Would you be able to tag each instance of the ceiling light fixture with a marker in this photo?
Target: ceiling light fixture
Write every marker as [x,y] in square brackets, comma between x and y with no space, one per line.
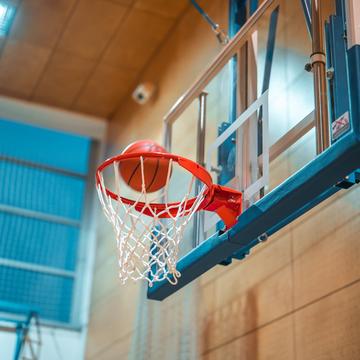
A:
[7,13]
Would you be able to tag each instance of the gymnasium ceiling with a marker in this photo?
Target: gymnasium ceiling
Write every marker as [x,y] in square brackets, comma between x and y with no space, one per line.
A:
[86,55]
[82,55]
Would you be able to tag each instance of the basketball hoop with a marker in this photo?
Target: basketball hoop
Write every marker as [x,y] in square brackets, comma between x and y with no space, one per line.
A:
[149,227]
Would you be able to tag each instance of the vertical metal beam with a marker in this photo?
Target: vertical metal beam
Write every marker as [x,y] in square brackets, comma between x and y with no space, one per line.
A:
[237,16]
[319,71]
[198,230]
[307,13]
[201,129]
[167,136]
[270,48]
[19,341]
[338,83]
[253,5]
[246,138]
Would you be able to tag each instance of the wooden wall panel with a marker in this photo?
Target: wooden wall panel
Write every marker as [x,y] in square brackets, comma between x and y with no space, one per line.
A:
[112,320]
[329,328]
[274,341]
[296,296]
[331,261]
[118,350]
[251,294]
[105,279]
[105,248]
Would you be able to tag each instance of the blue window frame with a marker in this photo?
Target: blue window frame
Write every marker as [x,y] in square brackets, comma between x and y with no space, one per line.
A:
[43,178]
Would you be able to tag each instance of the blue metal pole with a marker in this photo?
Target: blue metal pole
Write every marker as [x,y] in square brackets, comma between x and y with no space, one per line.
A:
[19,341]
[307,13]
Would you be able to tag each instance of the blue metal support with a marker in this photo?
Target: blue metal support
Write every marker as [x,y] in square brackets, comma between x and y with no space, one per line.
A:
[353,55]
[238,10]
[337,63]
[302,191]
[350,180]
[253,5]
[237,16]
[21,317]
[19,341]
[270,48]
[220,34]
[337,168]
[306,4]
[204,14]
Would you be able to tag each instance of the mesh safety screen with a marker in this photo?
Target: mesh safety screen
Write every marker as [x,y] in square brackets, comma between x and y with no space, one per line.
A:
[51,295]
[42,189]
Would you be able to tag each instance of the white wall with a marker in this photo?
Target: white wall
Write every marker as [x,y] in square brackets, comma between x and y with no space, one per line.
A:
[56,345]
[52,118]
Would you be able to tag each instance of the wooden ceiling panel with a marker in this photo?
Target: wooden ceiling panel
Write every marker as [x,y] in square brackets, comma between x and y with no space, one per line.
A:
[63,79]
[122,2]
[21,65]
[91,27]
[40,21]
[105,90]
[137,39]
[171,9]
[82,54]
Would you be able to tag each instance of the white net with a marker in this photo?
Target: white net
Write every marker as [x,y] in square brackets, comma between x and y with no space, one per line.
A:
[147,236]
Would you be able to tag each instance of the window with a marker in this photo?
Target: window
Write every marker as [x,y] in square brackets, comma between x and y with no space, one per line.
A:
[43,179]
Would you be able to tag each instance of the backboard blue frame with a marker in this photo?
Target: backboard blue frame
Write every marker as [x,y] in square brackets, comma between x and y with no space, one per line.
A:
[336,169]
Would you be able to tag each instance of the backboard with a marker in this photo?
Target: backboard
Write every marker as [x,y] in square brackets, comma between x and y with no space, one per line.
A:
[259,123]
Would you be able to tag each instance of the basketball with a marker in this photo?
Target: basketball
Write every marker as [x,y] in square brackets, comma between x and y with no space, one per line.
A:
[155,169]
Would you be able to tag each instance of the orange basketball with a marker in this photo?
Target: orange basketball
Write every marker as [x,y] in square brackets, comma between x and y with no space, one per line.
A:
[155,169]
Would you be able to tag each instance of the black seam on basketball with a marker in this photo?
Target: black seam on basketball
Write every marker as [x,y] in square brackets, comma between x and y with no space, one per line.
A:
[147,188]
[138,165]
[133,173]
[154,176]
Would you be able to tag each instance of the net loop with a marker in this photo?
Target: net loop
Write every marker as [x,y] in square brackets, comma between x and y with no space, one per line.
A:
[148,237]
